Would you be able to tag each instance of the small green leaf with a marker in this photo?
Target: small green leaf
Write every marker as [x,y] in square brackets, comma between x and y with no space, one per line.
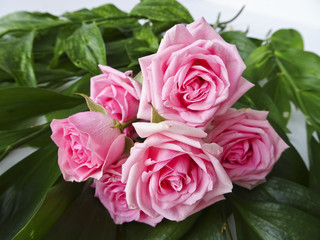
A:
[85,219]
[27,21]
[85,48]
[286,38]
[156,117]
[10,140]
[16,59]
[244,45]
[57,201]
[259,64]
[162,10]
[92,105]
[23,187]
[18,105]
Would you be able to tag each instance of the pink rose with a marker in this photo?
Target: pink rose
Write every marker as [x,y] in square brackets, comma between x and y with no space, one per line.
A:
[194,76]
[87,143]
[117,92]
[250,145]
[110,191]
[172,174]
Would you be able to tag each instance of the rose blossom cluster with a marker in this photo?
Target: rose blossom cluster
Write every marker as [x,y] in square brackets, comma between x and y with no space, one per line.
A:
[185,163]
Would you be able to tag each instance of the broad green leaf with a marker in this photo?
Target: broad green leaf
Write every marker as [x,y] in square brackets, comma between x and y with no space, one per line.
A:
[286,38]
[244,45]
[93,106]
[165,230]
[109,11]
[58,199]
[286,192]
[10,140]
[268,221]
[81,15]
[85,48]
[16,59]
[85,219]
[259,64]
[278,90]
[162,10]
[290,165]
[23,187]
[302,73]
[314,159]
[212,224]
[20,104]
[82,85]
[117,54]
[259,99]
[27,21]
[146,34]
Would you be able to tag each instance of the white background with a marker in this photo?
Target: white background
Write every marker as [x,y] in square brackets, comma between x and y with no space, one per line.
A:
[259,17]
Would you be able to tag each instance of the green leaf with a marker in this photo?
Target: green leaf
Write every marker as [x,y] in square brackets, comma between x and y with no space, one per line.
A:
[57,201]
[166,230]
[212,224]
[301,71]
[10,140]
[20,104]
[278,90]
[259,64]
[290,165]
[85,219]
[93,106]
[146,34]
[23,187]
[81,15]
[16,59]
[27,21]
[314,159]
[286,38]
[244,45]
[259,99]
[162,10]
[85,48]
[268,220]
[282,191]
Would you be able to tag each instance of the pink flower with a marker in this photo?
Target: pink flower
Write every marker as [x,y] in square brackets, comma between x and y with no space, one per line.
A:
[87,144]
[110,191]
[194,76]
[250,145]
[117,92]
[172,174]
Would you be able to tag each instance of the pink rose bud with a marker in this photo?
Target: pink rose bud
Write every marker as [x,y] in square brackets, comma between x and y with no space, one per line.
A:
[250,145]
[87,143]
[194,76]
[172,174]
[117,92]
[110,191]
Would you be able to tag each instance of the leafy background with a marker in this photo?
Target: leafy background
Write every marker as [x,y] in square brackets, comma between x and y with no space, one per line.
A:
[45,59]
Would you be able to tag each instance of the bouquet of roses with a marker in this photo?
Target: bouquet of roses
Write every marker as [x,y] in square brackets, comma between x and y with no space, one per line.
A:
[166,127]
[174,145]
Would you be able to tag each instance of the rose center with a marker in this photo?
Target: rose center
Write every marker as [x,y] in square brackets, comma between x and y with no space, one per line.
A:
[239,153]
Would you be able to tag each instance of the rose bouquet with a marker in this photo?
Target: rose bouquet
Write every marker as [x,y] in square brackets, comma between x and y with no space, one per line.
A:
[177,137]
